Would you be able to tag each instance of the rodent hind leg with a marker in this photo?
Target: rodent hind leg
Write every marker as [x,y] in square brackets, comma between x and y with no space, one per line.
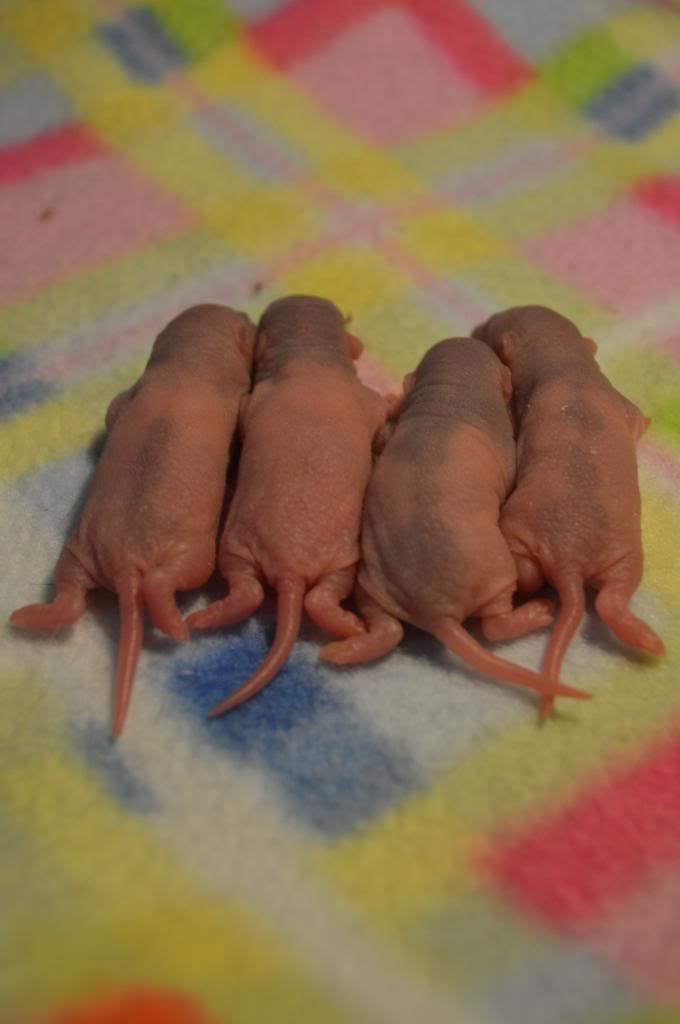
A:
[245,596]
[611,605]
[382,634]
[322,604]
[159,587]
[72,582]
[530,577]
[520,621]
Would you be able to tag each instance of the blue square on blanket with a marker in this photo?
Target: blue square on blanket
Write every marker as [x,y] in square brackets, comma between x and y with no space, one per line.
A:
[335,772]
[635,104]
[140,43]
[30,106]
[20,386]
[115,772]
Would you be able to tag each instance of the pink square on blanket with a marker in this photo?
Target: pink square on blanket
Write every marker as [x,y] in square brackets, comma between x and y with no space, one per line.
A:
[624,258]
[642,937]
[66,144]
[577,865]
[472,44]
[360,76]
[662,195]
[77,216]
[297,29]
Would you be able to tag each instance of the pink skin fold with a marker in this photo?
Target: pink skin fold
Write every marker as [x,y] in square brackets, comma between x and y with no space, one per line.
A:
[574,516]
[149,524]
[307,434]
[432,553]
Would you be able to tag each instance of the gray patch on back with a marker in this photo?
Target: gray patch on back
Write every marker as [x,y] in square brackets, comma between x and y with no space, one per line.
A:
[200,343]
[431,564]
[457,384]
[422,440]
[302,327]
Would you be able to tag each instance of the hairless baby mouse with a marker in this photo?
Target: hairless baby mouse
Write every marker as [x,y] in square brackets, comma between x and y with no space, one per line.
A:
[150,521]
[432,553]
[574,517]
[307,431]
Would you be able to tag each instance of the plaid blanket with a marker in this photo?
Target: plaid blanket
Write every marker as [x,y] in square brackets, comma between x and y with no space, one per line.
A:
[399,842]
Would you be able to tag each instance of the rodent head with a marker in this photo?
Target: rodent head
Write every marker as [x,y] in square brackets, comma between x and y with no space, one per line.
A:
[521,328]
[457,360]
[303,327]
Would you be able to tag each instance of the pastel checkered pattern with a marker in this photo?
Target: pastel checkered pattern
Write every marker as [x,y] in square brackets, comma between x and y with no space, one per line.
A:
[397,843]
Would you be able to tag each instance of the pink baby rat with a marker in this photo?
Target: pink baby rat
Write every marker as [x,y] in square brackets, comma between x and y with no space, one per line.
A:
[574,517]
[149,524]
[307,432]
[432,553]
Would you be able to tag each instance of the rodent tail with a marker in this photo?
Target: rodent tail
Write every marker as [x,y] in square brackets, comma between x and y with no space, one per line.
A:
[290,594]
[572,609]
[131,610]
[457,639]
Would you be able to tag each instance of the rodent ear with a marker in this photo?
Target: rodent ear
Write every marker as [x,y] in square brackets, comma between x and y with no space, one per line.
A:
[408,382]
[394,405]
[590,345]
[115,406]
[637,420]
[506,346]
[118,403]
[245,341]
[641,424]
[506,383]
[382,437]
[260,345]
[354,346]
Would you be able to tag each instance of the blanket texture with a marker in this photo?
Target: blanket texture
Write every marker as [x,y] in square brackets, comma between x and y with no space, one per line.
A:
[402,842]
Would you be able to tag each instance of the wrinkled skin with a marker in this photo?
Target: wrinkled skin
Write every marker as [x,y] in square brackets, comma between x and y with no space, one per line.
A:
[307,429]
[574,516]
[150,521]
[432,553]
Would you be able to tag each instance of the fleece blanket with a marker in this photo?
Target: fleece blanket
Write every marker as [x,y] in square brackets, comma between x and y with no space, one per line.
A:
[401,842]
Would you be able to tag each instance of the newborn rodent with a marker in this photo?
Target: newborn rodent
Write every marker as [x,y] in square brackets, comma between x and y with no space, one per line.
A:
[150,521]
[307,432]
[574,516]
[432,553]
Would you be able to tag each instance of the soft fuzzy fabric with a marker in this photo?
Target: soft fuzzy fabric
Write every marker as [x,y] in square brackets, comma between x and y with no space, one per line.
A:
[402,842]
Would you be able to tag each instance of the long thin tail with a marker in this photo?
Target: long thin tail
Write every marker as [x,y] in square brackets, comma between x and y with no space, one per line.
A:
[458,640]
[290,594]
[572,609]
[131,610]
